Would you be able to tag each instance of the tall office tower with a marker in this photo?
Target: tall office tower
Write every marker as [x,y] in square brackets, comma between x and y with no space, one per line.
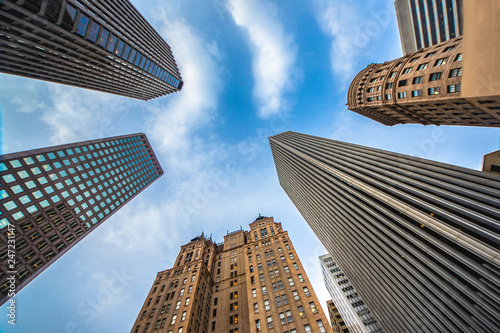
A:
[356,315]
[491,162]
[104,45]
[417,238]
[252,282]
[423,87]
[51,198]
[423,23]
[338,324]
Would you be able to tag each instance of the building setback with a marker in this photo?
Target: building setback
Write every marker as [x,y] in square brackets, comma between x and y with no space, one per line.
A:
[103,45]
[418,239]
[338,325]
[52,198]
[252,282]
[423,87]
[491,162]
[354,312]
[423,23]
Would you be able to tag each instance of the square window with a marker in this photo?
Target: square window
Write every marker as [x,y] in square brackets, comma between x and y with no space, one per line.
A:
[23,174]
[417,79]
[8,178]
[15,163]
[30,184]
[28,160]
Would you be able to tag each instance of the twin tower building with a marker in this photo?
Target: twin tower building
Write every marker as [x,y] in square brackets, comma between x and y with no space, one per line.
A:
[413,243]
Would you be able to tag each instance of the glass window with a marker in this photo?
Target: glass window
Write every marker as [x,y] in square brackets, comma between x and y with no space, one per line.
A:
[3,167]
[143,61]
[23,174]
[24,199]
[15,163]
[32,209]
[103,38]
[69,17]
[94,31]
[40,158]
[30,184]
[131,59]
[17,216]
[119,48]
[28,160]
[417,79]
[137,59]
[83,23]
[111,47]
[3,194]
[8,178]
[10,205]
[126,52]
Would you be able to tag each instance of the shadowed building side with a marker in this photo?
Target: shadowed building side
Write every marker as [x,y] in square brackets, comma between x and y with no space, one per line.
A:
[418,239]
[103,45]
[52,198]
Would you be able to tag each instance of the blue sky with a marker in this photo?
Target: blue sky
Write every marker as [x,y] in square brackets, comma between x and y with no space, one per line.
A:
[251,69]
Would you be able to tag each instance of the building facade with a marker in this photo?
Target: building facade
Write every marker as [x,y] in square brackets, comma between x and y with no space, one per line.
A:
[423,23]
[252,282]
[491,162]
[423,87]
[354,312]
[338,324]
[52,198]
[417,238]
[103,45]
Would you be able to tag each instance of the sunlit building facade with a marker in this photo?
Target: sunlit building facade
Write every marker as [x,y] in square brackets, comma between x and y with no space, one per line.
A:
[52,198]
[423,87]
[354,312]
[251,282]
[417,238]
[103,45]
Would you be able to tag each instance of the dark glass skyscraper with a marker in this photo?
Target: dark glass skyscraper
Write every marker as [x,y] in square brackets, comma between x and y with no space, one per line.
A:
[423,23]
[418,239]
[104,45]
[51,198]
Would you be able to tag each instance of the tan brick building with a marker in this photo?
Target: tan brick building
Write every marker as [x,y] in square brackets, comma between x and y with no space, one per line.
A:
[338,324]
[252,282]
[424,87]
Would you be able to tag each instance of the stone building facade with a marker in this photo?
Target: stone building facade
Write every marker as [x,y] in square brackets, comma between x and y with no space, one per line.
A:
[338,324]
[423,87]
[252,282]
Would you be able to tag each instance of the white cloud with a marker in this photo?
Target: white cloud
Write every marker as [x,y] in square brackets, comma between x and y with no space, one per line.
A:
[274,52]
[352,31]
[79,114]
[199,62]
[26,100]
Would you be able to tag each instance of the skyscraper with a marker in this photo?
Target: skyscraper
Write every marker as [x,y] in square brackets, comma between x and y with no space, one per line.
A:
[425,23]
[103,45]
[338,324]
[354,312]
[417,238]
[491,162]
[51,198]
[252,282]
[423,87]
